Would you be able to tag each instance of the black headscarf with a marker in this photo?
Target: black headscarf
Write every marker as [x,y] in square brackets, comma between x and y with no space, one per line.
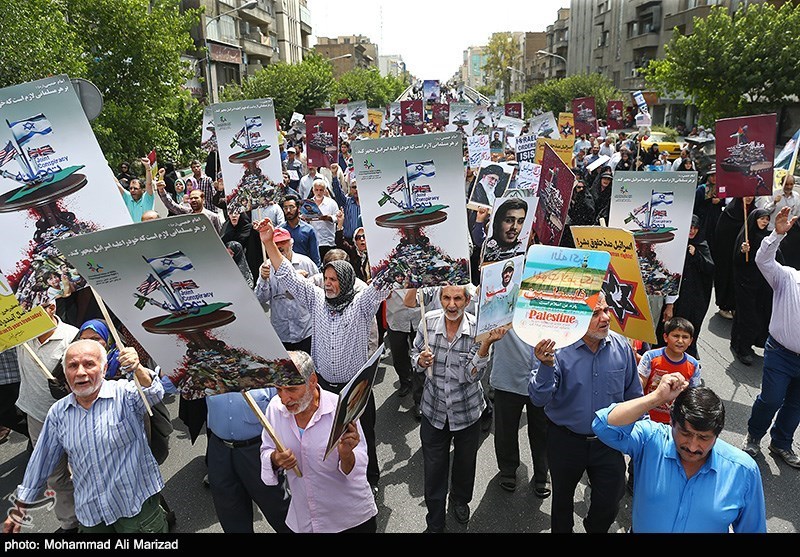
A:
[581,207]
[754,235]
[239,233]
[347,279]
[241,262]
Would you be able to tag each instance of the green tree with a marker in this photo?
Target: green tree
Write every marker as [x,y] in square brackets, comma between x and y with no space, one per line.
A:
[556,95]
[367,85]
[130,49]
[36,41]
[733,66]
[292,87]
[501,52]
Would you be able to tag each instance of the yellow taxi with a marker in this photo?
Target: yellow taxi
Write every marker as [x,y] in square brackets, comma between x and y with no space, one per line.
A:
[672,148]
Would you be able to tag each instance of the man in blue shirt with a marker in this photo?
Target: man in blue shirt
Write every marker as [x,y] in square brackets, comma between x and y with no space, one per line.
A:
[349,203]
[572,383]
[303,234]
[139,200]
[687,479]
[234,464]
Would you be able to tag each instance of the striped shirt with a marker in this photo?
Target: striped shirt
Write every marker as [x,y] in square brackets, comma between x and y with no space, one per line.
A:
[454,393]
[205,185]
[339,341]
[113,469]
[352,210]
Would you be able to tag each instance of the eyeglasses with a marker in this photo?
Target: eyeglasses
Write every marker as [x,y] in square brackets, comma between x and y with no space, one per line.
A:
[359,237]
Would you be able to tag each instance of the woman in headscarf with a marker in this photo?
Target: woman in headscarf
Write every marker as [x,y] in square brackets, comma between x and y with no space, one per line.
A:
[728,226]
[97,329]
[356,250]
[237,253]
[753,292]
[237,228]
[581,211]
[625,160]
[696,284]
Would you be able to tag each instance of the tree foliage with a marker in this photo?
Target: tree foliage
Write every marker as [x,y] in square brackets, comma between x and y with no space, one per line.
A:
[36,42]
[130,49]
[501,52]
[556,95]
[733,66]
[293,87]
[368,85]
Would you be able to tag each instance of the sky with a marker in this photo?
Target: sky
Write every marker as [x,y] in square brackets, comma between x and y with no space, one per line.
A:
[430,35]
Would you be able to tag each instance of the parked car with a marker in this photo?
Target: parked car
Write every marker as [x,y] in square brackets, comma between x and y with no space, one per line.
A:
[673,148]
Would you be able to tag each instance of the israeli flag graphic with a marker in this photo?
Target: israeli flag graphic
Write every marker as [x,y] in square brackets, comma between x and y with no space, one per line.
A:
[661,198]
[165,265]
[24,130]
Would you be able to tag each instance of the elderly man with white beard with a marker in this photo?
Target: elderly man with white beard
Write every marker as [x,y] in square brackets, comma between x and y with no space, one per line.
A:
[100,427]
[452,402]
[333,494]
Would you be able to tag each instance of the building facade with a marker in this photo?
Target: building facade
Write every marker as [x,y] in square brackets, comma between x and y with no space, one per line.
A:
[348,52]
[236,38]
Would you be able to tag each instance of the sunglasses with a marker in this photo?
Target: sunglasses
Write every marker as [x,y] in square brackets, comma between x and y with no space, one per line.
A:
[359,237]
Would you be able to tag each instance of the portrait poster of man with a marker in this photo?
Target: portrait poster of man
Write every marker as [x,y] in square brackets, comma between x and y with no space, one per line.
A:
[623,284]
[322,140]
[249,156]
[555,194]
[585,115]
[544,125]
[657,208]
[353,400]
[558,293]
[490,183]
[745,155]
[55,183]
[181,295]
[497,141]
[499,287]
[510,228]
[412,208]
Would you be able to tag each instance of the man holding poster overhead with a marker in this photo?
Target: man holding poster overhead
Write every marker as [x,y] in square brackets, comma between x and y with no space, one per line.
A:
[572,383]
[452,402]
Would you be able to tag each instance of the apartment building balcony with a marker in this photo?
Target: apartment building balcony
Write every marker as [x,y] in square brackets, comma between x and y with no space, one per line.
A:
[258,15]
[257,46]
[305,20]
[684,20]
[645,40]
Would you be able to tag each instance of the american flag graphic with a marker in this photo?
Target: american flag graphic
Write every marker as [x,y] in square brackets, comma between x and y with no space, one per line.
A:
[7,153]
[396,186]
[149,285]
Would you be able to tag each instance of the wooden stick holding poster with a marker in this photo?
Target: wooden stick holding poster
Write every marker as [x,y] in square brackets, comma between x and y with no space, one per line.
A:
[39,362]
[267,426]
[104,310]
[746,238]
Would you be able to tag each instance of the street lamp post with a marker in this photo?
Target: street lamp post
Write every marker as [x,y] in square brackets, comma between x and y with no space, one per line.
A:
[246,6]
[524,77]
[550,54]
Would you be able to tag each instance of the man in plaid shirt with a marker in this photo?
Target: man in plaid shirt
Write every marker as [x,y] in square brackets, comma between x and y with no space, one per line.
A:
[10,418]
[452,402]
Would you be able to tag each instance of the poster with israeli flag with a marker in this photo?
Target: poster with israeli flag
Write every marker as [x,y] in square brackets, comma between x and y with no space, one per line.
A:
[657,208]
[55,182]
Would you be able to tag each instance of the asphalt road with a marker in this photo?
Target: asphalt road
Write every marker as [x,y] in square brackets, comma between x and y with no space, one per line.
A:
[401,508]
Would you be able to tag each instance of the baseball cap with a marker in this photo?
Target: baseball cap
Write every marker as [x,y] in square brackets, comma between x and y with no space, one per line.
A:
[281,235]
[291,150]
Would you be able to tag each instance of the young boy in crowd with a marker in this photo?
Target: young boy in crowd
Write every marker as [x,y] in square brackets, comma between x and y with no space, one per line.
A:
[658,362]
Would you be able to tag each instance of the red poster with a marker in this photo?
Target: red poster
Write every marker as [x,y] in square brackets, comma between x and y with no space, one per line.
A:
[585,116]
[440,113]
[555,194]
[322,139]
[514,110]
[614,115]
[745,155]
[412,117]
